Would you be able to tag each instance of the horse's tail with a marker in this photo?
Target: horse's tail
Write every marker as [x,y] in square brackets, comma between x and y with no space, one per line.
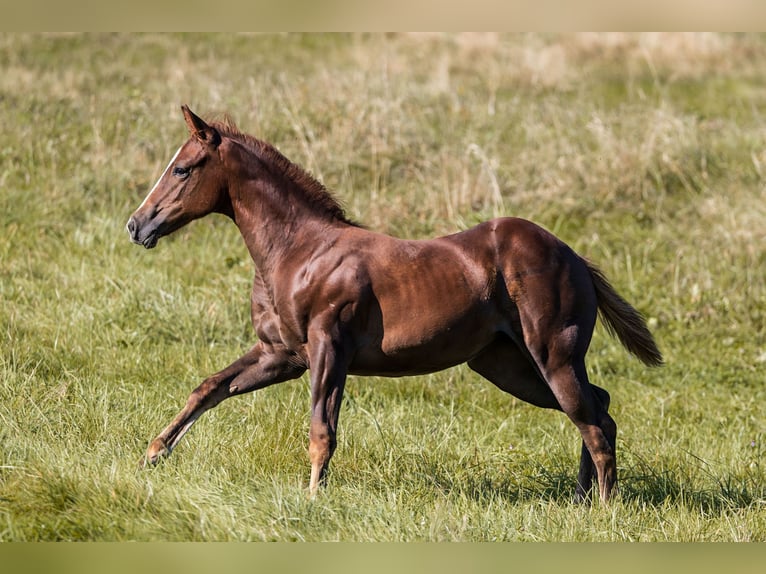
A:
[624,321]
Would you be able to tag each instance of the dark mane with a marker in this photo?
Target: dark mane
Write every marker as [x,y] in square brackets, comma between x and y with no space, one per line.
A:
[316,193]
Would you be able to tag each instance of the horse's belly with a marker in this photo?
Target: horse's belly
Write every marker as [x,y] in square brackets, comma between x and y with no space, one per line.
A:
[433,306]
[412,360]
[424,346]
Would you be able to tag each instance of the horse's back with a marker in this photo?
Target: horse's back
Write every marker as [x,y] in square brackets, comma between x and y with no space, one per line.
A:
[513,237]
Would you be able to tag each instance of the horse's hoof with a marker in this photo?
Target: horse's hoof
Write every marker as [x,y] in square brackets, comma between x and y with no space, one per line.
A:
[157,450]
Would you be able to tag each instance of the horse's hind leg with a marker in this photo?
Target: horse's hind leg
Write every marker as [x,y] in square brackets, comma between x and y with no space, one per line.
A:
[568,381]
[505,365]
[587,469]
[567,389]
[258,368]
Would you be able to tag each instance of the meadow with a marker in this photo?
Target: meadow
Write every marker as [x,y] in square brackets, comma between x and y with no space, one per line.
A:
[645,153]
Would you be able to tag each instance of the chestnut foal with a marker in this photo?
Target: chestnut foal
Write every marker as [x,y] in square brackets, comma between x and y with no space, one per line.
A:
[507,297]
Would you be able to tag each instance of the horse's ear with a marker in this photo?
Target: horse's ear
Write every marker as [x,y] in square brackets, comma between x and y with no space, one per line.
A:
[199,129]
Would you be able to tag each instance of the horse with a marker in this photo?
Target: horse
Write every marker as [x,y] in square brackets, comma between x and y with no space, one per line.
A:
[333,298]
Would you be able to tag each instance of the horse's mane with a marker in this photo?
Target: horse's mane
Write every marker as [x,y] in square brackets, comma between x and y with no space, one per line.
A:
[316,193]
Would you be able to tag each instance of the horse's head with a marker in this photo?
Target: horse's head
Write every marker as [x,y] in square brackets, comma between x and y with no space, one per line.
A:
[193,185]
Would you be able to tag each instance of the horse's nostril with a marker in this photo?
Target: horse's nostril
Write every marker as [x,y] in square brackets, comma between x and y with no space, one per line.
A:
[131,226]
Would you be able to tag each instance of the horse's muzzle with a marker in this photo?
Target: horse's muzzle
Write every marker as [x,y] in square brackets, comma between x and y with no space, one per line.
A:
[146,235]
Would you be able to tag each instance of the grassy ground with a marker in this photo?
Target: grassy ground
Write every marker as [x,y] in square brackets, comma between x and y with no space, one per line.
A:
[645,153]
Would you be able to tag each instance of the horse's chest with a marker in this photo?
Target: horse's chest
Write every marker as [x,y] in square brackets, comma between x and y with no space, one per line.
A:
[274,323]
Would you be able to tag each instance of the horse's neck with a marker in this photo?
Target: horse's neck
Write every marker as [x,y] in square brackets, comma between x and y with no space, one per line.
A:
[275,220]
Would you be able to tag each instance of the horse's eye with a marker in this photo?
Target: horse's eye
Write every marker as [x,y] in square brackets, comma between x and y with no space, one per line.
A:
[181,172]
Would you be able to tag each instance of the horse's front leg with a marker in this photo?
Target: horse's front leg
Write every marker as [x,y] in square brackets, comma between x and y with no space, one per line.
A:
[328,378]
[261,366]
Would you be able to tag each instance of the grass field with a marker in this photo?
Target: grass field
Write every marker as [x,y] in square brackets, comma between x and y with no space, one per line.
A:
[646,153]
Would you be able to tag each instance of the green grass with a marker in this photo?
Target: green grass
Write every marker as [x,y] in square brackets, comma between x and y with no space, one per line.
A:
[645,153]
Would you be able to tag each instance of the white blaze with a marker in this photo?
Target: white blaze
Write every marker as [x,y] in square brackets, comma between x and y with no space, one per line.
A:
[160,179]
